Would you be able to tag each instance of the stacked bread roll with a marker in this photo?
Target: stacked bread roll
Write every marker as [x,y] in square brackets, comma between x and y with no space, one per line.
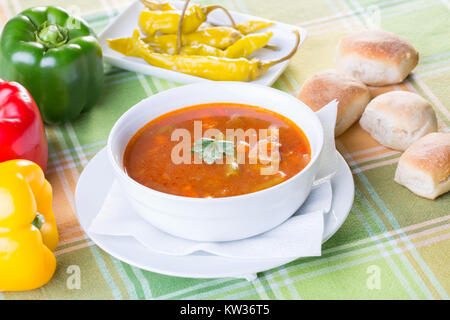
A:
[399,120]
[424,168]
[352,94]
[376,57]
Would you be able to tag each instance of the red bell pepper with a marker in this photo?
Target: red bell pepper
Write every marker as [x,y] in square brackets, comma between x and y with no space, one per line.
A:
[22,133]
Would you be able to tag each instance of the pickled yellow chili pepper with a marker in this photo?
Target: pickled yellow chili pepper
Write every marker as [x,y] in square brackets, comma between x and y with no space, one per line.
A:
[126,46]
[213,68]
[164,43]
[151,21]
[217,37]
[252,26]
[242,48]
[157,5]
[201,50]
[245,46]
[238,50]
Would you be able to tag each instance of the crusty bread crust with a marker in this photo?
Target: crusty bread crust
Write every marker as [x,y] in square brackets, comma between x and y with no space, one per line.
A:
[376,57]
[398,118]
[352,95]
[424,167]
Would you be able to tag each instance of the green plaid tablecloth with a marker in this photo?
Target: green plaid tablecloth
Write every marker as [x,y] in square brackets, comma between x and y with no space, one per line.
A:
[390,235]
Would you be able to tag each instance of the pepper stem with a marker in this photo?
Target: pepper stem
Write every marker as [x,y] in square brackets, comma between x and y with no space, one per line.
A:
[216,6]
[180,27]
[208,10]
[290,54]
[38,221]
[51,35]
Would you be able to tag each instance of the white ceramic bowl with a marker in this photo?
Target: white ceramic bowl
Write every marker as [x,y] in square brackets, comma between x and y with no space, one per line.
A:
[217,219]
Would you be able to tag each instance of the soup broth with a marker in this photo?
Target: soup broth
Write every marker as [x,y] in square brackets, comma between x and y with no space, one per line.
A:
[149,156]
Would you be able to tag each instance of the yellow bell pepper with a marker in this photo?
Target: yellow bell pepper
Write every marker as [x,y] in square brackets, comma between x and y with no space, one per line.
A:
[28,232]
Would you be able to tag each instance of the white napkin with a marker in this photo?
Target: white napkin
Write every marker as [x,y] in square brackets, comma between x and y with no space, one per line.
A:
[299,236]
[329,161]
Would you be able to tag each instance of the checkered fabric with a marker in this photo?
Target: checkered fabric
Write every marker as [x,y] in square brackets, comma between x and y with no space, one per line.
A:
[390,232]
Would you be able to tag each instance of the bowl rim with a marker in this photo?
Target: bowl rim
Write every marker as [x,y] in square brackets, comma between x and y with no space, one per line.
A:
[224,84]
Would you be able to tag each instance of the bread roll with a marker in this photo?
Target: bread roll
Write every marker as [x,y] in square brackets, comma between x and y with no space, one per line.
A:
[352,95]
[424,168]
[398,118]
[376,57]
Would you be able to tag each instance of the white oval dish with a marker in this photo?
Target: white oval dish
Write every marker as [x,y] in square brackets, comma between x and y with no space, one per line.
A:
[217,219]
[124,24]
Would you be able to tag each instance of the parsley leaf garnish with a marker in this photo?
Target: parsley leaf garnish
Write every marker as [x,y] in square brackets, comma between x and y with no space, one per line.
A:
[211,150]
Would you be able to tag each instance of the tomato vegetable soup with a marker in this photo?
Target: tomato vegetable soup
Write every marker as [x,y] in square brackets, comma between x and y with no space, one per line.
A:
[216,150]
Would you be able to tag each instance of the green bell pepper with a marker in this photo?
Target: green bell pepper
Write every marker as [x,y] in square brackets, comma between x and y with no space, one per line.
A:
[58,59]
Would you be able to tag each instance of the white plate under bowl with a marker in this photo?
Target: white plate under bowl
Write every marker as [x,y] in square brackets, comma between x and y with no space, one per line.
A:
[95,182]
[124,24]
